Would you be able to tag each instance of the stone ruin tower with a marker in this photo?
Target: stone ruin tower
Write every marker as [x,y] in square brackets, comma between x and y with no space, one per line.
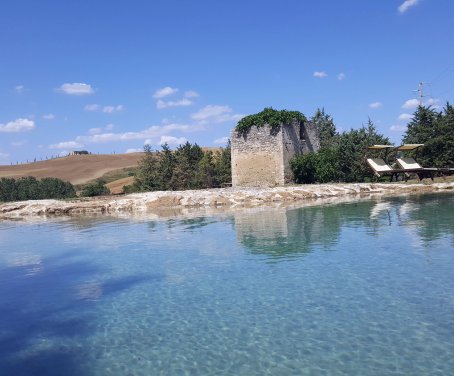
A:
[261,157]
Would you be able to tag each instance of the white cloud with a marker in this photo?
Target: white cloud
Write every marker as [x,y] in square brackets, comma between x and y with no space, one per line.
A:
[18,125]
[4,155]
[149,133]
[66,145]
[221,141]
[49,117]
[19,89]
[405,117]
[76,89]
[170,140]
[164,92]
[110,109]
[152,133]
[432,102]
[94,131]
[191,94]
[407,4]
[215,114]
[160,104]
[137,150]
[320,74]
[341,76]
[398,128]
[375,105]
[92,107]
[411,103]
[18,143]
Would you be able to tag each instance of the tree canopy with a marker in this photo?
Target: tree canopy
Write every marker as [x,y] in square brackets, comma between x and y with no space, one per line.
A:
[188,167]
[436,131]
[30,188]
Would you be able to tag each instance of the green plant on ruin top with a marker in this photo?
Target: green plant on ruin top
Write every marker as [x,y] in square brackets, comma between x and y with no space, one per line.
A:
[269,116]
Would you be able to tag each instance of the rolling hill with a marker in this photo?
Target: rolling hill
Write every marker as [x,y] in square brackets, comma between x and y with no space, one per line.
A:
[77,169]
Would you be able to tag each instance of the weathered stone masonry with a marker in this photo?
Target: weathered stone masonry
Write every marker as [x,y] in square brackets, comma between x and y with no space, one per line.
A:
[260,157]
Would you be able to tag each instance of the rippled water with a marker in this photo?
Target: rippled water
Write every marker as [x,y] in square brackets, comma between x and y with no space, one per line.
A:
[365,288]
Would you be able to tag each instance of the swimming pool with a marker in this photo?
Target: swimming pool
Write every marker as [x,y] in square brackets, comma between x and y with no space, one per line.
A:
[363,288]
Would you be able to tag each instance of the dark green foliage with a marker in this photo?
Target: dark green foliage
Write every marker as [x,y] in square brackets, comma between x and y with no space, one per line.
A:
[303,167]
[341,159]
[29,188]
[187,159]
[223,166]
[325,127]
[269,116]
[95,189]
[188,167]
[352,149]
[436,131]
[327,165]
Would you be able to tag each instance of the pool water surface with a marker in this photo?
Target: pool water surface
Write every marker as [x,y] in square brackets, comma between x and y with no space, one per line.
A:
[362,288]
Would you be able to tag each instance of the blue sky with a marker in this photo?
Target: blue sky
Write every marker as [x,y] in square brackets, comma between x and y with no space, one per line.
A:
[108,76]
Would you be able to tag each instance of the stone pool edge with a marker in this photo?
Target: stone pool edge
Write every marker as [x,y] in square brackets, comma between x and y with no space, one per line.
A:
[212,200]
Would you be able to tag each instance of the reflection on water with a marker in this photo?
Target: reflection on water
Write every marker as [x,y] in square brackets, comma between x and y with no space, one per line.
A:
[281,232]
[218,296]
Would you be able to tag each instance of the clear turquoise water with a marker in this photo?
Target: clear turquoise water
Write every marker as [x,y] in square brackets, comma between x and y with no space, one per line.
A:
[364,288]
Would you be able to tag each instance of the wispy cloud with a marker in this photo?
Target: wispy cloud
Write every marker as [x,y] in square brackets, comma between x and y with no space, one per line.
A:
[77,88]
[19,89]
[3,155]
[111,109]
[49,117]
[17,144]
[172,141]
[135,150]
[105,109]
[215,114]
[164,92]
[375,105]
[411,103]
[341,76]
[93,131]
[405,117]
[320,74]
[221,141]
[18,125]
[160,104]
[92,107]
[191,94]
[66,145]
[397,128]
[407,4]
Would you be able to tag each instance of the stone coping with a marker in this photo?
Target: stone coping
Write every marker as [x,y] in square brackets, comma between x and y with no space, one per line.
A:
[207,201]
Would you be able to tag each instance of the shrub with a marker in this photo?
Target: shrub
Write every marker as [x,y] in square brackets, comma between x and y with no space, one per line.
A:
[95,189]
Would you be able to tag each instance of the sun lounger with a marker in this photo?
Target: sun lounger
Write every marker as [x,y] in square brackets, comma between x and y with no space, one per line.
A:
[381,168]
[410,163]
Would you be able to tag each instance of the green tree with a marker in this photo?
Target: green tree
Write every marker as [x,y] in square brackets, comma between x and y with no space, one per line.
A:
[165,167]
[304,168]
[352,149]
[97,188]
[147,178]
[325,127]
[436,131]
[223,166]
[205,171]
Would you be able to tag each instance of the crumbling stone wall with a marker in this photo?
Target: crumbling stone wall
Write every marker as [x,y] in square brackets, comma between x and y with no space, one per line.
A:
[261,157]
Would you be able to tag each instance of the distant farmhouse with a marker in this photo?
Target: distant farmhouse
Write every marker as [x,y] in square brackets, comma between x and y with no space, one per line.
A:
[261,153]
[79,152]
